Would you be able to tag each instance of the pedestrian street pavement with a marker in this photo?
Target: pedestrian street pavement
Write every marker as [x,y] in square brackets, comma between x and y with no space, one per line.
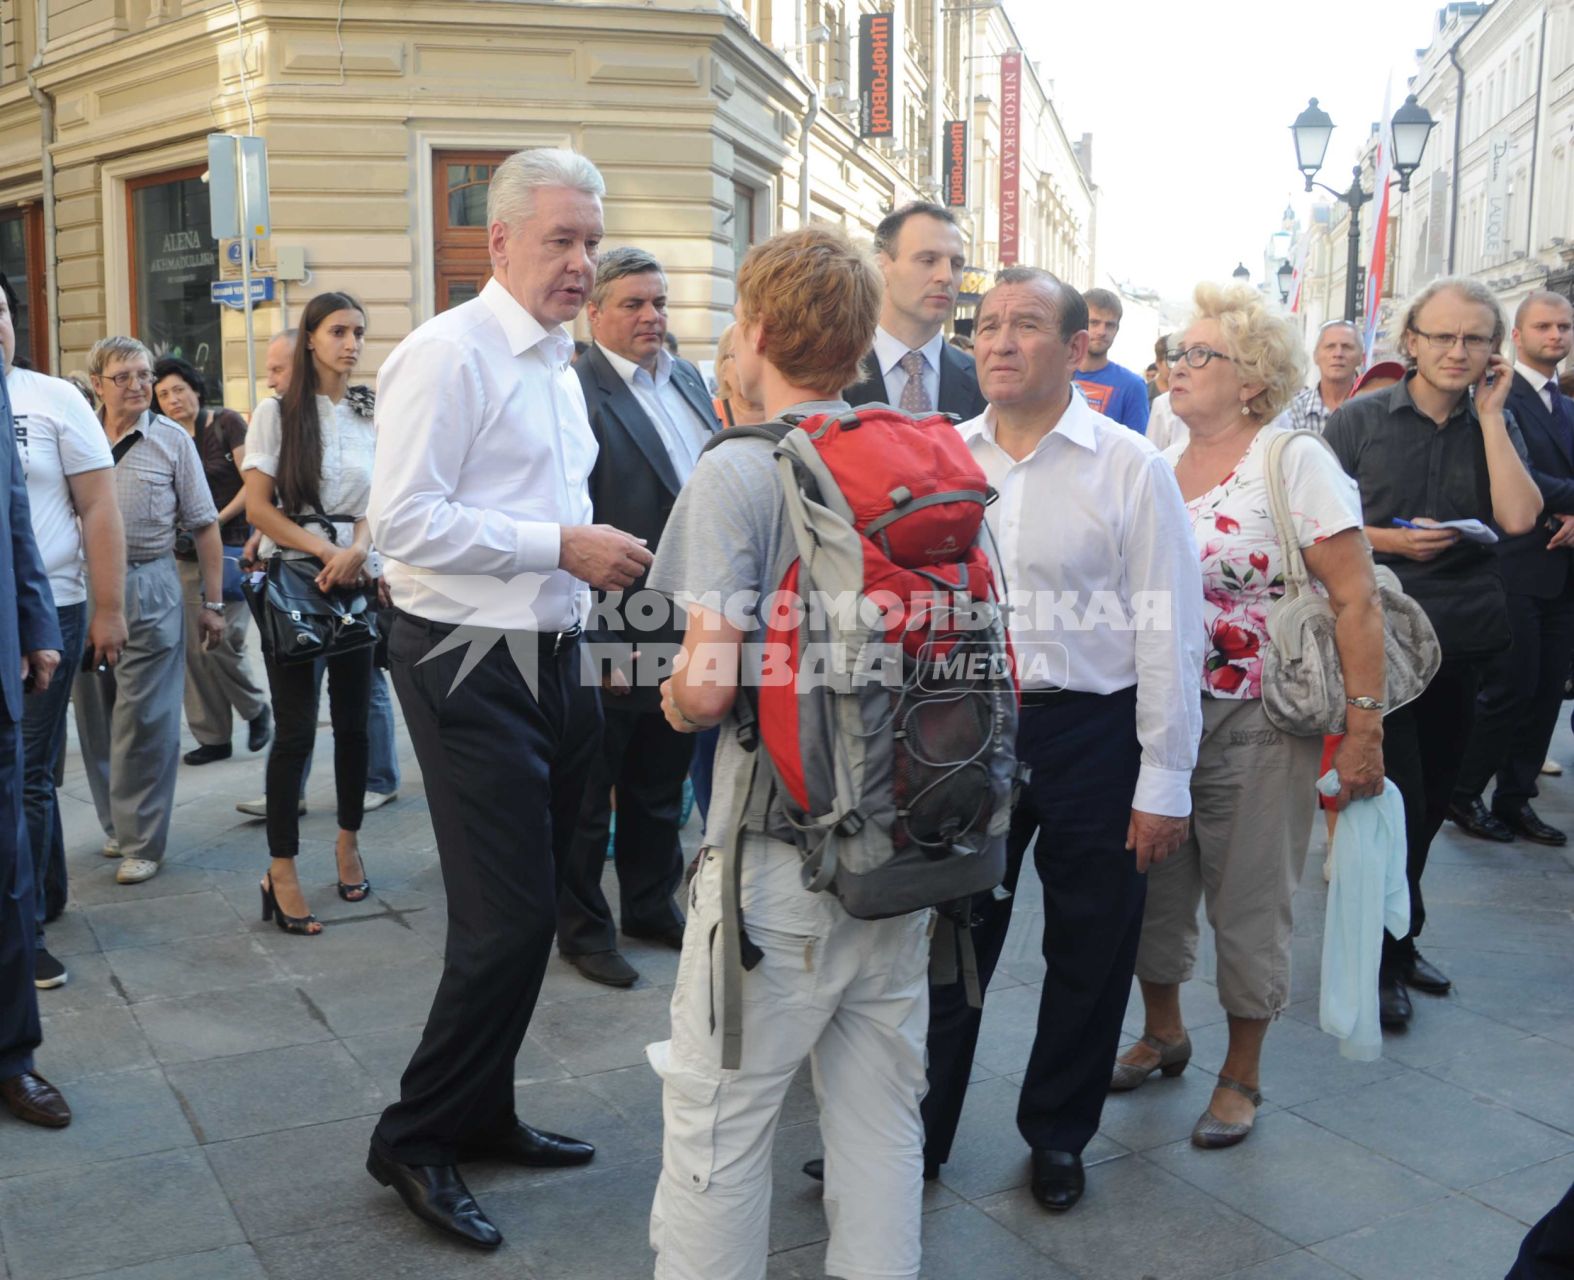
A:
[225,1078]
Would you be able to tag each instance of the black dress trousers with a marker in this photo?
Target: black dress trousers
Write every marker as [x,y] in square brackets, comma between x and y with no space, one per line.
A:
[1423,747]
[1520,700]
[504,769]
[1084,754]
[646,760]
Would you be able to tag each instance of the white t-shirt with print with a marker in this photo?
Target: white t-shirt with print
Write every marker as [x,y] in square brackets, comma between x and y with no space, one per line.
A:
[58,437]
[1242,565]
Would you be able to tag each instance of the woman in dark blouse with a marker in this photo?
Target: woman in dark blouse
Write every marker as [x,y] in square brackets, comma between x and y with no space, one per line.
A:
[218,680]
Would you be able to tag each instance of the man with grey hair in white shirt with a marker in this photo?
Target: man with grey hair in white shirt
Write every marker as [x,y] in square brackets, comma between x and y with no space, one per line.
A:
[480,506]
[1106,623]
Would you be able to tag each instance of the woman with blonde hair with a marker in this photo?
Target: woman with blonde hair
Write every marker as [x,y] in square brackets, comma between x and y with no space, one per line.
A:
[1232,371]
[733,408]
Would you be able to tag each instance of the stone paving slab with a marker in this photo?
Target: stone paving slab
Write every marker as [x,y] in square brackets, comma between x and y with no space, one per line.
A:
[225,1078]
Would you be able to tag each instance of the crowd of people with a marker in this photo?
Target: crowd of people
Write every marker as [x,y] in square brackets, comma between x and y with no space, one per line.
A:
[1133,543]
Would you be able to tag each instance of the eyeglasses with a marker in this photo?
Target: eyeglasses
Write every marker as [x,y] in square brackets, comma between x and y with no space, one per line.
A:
[142,377]
[1196,357]
[1475,343]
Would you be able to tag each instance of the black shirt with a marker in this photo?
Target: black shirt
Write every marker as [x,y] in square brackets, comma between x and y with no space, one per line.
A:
[219,433]
[1408,466]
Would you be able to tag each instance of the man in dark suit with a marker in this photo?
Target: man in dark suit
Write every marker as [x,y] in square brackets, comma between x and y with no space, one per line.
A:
[920,254]
[29,653]
[651,415]
[1517,709]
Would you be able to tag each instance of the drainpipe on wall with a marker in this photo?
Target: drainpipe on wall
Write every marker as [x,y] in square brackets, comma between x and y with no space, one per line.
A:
[936,99]
[46,122]
[1459,131]
[809,117]
[1535,142]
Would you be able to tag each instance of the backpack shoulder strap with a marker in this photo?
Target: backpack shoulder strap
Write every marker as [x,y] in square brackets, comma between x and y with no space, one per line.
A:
[774,432]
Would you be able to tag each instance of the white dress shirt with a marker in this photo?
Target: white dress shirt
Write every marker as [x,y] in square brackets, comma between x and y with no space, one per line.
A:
[1538,380]
[683,434]
[343,484]
[888,353]
[1105,588]
[484,452]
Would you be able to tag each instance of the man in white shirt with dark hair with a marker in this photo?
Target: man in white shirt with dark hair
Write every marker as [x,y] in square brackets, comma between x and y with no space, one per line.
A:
[481,507]
[1106,623]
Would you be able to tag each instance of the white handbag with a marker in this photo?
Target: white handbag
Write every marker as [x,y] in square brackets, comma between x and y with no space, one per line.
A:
[1302,681]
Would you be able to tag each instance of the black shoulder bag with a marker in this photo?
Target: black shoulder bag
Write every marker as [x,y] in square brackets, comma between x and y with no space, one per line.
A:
[298,622]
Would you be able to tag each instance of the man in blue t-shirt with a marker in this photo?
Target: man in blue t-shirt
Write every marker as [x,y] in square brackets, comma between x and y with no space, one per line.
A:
[1112,389]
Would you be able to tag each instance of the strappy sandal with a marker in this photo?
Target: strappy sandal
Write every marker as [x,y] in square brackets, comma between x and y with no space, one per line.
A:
[1211,1133]
[359,891]
[306,926]
[1172,1061]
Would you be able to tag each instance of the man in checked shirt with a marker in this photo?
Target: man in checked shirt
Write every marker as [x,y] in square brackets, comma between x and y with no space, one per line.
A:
[128,715]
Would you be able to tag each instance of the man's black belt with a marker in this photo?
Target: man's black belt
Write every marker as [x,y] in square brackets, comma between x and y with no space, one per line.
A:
[553,642]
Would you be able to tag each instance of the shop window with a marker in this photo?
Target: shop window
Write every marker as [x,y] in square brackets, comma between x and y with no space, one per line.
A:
[174,262]
[459,183]
[22,262]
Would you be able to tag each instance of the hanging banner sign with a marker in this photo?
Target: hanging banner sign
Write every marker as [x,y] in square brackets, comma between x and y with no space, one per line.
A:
[1494,221]
[1010,157]
[954,156]
[876,75]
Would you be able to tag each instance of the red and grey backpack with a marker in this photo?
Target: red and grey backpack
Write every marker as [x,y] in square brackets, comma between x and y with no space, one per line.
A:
[887,731]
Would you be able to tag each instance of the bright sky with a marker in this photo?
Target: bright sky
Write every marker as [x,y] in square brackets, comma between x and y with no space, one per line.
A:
[1190,106]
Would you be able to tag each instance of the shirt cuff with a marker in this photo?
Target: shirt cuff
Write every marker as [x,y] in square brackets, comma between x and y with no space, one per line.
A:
[263,462]
[538,546]
[1166,792]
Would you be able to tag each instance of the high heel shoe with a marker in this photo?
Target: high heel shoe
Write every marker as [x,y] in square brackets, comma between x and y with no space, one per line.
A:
[356,892]
[307,925]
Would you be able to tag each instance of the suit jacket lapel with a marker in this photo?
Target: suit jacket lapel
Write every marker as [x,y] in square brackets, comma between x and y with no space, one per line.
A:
[621,405]
[958,383]
[688,383]
[1531,406]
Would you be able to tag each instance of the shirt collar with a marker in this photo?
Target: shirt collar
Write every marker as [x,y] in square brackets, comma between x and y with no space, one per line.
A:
[1536,379]
[523,330]
[1399,399]
[628,370]
[889,351]
[1077,424]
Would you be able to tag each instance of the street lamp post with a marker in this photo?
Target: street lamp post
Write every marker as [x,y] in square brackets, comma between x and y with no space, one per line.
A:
[1409,129]
[1241,273]
[1285,276]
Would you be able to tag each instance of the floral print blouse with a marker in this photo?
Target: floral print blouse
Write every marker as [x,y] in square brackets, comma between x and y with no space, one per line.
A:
[1242,567]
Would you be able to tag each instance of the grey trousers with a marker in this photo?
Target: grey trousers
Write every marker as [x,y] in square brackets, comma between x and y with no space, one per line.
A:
[220,678]
[128,718]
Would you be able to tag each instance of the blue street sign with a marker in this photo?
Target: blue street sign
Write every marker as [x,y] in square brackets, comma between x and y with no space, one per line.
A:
[230,293]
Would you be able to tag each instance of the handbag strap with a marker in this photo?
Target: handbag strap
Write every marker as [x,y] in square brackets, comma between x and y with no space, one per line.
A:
[1296,578]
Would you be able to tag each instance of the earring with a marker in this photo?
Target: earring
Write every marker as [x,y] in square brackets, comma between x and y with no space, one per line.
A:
[1246,411]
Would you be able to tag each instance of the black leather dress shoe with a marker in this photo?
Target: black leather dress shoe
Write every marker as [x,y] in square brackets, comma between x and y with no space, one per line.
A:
[1521,820]
[1058,1179]
[668,936]
[207,755]
[1477,820]
[258,731]
[1420,973]
[436,1194]
[606,967]
[530,1146]
[1393,1001]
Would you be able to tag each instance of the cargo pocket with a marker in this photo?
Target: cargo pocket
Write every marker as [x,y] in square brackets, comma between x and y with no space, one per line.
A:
[690,1104]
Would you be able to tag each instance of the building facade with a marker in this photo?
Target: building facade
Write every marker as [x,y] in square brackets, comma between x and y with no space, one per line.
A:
[1494,195]
[715,124]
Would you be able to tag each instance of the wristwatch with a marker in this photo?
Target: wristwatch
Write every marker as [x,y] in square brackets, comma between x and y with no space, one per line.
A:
[1365,704]
[213,607]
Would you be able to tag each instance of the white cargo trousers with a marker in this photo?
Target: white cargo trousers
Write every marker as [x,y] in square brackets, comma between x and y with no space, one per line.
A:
[851,995]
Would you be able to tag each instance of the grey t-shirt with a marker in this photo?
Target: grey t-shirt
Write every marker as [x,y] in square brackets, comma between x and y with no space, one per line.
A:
[727,544]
